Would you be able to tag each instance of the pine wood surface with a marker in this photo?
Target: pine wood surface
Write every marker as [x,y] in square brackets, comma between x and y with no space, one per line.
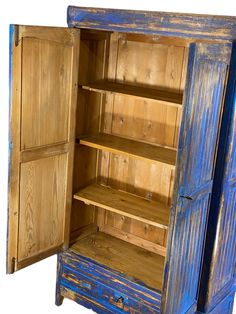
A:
[131,148]
[168,97]
[119,255]
[123,203]
[44,87]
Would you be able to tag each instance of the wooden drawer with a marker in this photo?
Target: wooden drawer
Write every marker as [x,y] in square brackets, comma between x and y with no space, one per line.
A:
[86,284]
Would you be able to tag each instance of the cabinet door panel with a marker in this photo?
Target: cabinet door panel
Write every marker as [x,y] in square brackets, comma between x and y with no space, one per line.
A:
[44,70]
[42,203]
[45,98]
[203,102]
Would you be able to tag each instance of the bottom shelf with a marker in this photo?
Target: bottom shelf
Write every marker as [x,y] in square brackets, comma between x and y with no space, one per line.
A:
[124,257]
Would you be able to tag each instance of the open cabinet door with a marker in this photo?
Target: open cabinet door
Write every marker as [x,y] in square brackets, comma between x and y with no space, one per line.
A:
[203,103]
[44,70]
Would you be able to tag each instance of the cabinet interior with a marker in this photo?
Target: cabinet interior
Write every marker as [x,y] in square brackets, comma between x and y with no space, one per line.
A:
[127,125]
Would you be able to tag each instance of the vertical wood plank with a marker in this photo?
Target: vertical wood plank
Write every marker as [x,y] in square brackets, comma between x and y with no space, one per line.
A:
[73,91]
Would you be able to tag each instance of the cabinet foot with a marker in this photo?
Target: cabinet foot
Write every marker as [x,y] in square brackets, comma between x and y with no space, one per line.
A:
[59,299]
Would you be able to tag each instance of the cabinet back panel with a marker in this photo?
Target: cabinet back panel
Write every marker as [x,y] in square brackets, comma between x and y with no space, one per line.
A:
[92,55]
[153,181]
[150,64]
[137,228]
[151,121]
[141,64]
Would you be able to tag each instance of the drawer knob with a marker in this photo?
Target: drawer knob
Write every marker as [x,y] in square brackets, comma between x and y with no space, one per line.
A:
[120,300]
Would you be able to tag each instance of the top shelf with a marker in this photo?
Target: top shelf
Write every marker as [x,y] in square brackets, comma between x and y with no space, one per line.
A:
[167,97]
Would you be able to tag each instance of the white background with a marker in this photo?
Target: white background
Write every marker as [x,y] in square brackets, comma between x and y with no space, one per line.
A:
[32,290]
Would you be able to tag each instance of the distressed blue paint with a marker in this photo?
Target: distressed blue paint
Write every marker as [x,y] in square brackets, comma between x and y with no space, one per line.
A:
[183,231]
[98,290]
[156,23]
[120,281]
[58,297]
[98,283]
[91,303]
[218,275]
[195,167]
[11,37]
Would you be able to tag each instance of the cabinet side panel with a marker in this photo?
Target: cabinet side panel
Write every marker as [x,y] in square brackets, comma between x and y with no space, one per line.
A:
[207,73]
[218,277]
[90,111]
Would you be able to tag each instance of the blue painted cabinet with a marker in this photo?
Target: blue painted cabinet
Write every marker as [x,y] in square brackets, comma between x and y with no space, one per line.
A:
[122,159]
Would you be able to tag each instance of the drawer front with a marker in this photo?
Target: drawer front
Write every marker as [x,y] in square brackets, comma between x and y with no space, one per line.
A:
[107,296]
[87,301]
[83,288]
[110,278]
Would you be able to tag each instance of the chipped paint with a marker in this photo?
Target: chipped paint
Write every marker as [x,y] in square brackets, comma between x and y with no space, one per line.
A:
[207,72]
[158,23]
[99,286]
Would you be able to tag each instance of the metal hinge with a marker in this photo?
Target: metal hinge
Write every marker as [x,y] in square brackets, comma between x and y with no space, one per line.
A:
[13,265]
[16,35]
[187,197]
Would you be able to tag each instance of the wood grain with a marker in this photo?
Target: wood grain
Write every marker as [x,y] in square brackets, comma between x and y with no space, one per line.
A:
[151,121]
[42,205]
[73,93]
[123,203]
[43,133]
[136,228]
[131,148]
[133,239]
[92,64]
[45,97]
[53,34]
[43,152]
[124,257]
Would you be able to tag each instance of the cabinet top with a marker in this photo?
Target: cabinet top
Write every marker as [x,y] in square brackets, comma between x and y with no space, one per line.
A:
[196,26]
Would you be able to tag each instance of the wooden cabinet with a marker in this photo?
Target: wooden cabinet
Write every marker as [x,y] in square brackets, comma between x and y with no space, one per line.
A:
[115,124]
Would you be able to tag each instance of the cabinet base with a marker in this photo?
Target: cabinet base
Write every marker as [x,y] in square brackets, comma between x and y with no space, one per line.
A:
[101,289]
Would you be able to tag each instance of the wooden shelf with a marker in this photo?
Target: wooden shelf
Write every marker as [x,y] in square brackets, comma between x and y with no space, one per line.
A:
[150,212]
[131,148]
[168,97]
[129,259]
